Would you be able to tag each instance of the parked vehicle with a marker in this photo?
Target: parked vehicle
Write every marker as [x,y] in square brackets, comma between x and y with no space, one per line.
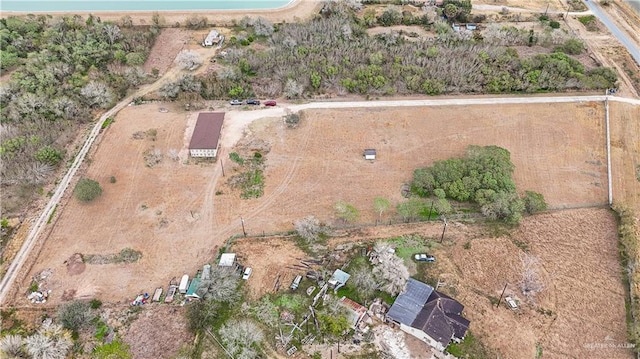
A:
[296,282]
[184,284]
[247,273]
[270,103]
[253,102]
[236,102]
[511,303]
[422,257]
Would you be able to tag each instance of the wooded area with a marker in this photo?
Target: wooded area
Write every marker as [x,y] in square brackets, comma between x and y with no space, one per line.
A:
[63,69]
[484,177]
[333,53]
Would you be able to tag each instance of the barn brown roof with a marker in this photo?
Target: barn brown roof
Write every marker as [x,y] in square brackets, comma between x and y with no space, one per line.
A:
[206,134]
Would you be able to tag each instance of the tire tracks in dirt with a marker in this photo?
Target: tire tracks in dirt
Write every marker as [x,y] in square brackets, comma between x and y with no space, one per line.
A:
[280,189]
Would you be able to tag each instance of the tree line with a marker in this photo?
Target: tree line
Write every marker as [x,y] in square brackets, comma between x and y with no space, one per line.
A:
[333,53]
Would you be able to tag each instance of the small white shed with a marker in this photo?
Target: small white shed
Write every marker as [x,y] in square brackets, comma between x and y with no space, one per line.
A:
[370,154]
[227,260]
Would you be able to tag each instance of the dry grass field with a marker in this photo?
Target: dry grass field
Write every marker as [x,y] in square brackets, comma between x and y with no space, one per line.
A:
[179,212]
[170,212]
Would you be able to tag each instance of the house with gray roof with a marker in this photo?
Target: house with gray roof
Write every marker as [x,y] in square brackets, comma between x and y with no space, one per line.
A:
[428,315]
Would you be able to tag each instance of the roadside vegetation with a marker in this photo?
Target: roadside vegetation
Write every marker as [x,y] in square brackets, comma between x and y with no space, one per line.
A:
[62,71]
[629,255]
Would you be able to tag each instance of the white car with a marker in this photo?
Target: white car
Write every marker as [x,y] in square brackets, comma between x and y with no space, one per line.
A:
[511,303]
[247,273]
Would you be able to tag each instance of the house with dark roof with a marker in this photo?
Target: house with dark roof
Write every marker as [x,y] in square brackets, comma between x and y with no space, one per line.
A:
[206,134]
[428,315]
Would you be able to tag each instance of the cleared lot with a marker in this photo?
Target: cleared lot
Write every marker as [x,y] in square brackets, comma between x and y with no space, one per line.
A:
[170,212]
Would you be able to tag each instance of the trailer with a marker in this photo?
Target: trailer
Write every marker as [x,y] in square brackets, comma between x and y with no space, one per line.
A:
[157,294]
[184,284]
[296,282]
[171,292]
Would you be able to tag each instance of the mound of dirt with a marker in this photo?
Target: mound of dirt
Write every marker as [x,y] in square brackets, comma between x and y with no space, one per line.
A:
[75,264]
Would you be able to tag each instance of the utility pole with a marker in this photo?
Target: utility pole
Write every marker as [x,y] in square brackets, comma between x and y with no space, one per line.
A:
[608,134]
[443,229]
[243,231]
[501,294]
[430,211]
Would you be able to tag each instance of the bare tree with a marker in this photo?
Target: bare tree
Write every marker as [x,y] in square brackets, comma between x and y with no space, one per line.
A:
[240,338]
[97,94]
[389,269]
[380,205]
[112,31]
[222,287]
[293,89]
[169,90]
[173,154]
[309,228]
[262,26]
[12,346]
[266,312]
[188,60]
[134,75]
[531,284]
[49,342]
[364,281]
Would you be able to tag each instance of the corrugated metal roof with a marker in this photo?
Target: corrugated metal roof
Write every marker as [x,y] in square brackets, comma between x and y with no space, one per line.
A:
[227,259]
[340,276]
[410,302]
[207,131]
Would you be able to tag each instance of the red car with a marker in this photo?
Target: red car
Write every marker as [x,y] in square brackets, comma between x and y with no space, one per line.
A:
[270,103]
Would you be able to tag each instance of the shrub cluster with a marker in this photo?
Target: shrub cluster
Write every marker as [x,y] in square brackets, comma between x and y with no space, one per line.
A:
[483,176]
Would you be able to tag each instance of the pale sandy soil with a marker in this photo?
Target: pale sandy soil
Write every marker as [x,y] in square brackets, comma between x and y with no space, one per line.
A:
[296,10]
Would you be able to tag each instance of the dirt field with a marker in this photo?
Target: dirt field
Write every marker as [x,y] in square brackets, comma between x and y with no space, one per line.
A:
[171,214]
[625,155]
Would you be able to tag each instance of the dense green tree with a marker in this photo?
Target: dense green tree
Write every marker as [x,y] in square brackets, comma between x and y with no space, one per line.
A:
[483,176]
[75,315]
[87,190]
[534,202]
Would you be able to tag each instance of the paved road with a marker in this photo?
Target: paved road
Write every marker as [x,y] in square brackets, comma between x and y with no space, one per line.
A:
[485,7]
[633,49]
[247,116]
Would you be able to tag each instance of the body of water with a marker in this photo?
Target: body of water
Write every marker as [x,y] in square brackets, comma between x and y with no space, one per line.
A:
[34,6]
